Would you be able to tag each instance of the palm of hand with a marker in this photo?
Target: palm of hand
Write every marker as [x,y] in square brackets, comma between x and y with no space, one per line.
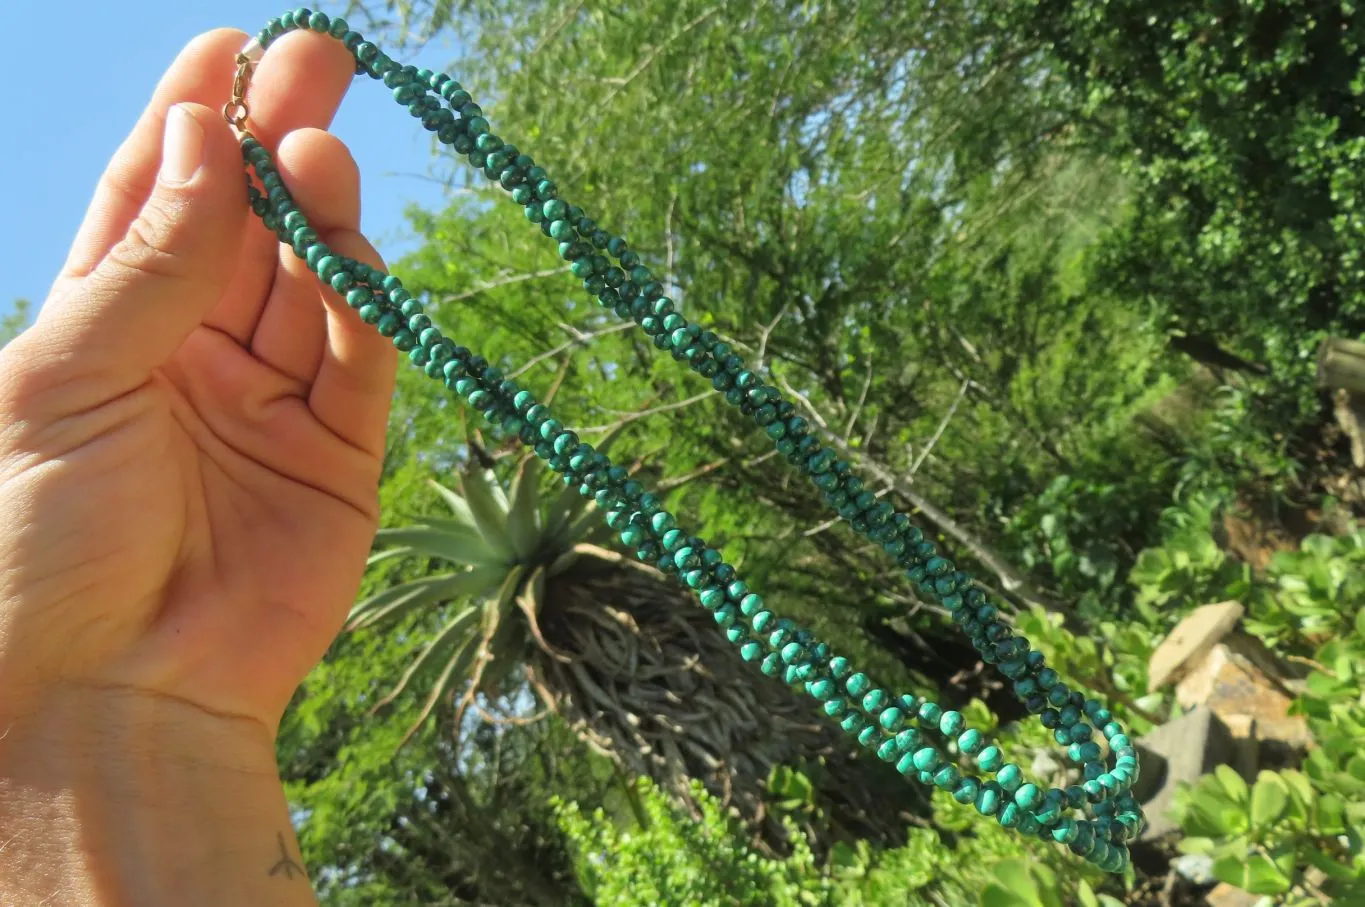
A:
[193,523]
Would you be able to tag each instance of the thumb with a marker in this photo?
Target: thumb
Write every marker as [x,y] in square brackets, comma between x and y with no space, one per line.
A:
[136,307]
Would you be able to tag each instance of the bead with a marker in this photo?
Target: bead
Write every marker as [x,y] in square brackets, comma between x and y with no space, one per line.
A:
[970,742]
[858,685]
[966,791]
[987,800]
[1028,796]
[874,701]
[926,759]
[930,713]
[892,719]
[1009,777]
[990,759]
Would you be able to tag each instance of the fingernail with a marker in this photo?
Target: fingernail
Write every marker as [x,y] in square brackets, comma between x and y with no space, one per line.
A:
[182,149]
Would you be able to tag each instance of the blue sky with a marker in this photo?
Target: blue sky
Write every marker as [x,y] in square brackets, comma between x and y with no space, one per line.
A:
[76,86]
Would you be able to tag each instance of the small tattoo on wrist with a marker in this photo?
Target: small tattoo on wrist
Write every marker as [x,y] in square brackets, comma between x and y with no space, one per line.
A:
[285,865]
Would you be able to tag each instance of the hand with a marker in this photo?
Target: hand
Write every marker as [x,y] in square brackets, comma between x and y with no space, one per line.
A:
[191,434]
[191,437]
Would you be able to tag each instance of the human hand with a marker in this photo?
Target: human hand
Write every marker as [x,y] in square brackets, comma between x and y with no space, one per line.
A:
[191,438]
[191,434]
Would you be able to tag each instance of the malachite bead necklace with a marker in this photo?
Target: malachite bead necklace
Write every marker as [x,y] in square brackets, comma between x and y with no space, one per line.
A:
[1094,819]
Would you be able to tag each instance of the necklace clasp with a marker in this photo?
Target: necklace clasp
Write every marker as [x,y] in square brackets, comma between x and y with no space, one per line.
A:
[235,111]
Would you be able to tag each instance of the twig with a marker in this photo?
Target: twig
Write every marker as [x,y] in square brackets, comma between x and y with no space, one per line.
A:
[649,58]
[580,338]
[555,29]
[631,417]
[938,433]
[862,398]
[763,336]
[668,246]
[516,278]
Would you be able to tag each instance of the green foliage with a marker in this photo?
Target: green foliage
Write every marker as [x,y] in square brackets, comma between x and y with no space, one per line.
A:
[1241,128]
[677,860]
[661,857]
[1263,837]
[14,322]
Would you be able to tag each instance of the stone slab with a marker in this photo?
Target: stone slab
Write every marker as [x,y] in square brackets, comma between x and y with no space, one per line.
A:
[1248,701]
[1179,750]
[1191,639]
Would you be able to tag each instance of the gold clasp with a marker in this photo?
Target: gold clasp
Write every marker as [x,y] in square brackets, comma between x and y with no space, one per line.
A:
[235,110]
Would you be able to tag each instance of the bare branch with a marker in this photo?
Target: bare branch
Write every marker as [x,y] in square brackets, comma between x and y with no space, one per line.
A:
[649,57]
[631,417]
[580,338]
[938,433]
[493,285]
[862,398]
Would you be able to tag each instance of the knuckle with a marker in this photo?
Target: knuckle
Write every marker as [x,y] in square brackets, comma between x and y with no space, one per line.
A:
[149,247]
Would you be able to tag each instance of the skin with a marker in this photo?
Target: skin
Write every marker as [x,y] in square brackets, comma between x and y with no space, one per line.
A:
[191,438]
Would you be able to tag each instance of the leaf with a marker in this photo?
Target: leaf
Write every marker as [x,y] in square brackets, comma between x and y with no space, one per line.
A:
[453,668]
[995,896]
[1014,876]
[388,554]
[523,516]
[1268,799]
[1360,623]
[1232,783]
[1252,873]
[461,549]
[1086,895]
[432,590]
[458,505]
[458,630]
[490,514]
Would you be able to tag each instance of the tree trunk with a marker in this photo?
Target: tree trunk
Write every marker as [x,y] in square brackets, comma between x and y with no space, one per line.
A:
[653,684]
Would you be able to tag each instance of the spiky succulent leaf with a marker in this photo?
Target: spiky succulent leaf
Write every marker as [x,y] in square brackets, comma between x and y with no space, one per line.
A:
[389,554]
[458,505]
[430,590]
[460,633]
[459,547]
[489,509]
[453,671]
[523,515]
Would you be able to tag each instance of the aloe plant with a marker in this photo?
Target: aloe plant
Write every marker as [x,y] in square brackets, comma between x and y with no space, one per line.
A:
[622,654]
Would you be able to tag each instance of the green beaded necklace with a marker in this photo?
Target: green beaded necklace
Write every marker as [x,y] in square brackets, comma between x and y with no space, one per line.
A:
[915,734]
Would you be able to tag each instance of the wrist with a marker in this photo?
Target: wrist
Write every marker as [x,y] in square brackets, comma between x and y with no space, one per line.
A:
[112,796]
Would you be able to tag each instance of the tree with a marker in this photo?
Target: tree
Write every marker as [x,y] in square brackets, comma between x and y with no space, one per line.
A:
[13,324]
[626,658]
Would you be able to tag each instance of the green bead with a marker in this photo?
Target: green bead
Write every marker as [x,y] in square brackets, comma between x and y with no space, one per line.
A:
[926,759]
[990,759]
[946,778]
[892,719]
[888,751]
[554,209]
[930,713]
[951,723]
[1009,816]
[1028,796]
[1065,832]
[1009,777]
[987,801]
[869,735]
[906,765]
[858,685]
[875,701]
[970,742]
[966,791]
[750,650]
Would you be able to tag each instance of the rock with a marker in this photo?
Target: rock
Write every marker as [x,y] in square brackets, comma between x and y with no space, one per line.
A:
[1191,639]
[1179,750]
[1194,867]
[1044,766]
[1251,702]
[1227,896]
